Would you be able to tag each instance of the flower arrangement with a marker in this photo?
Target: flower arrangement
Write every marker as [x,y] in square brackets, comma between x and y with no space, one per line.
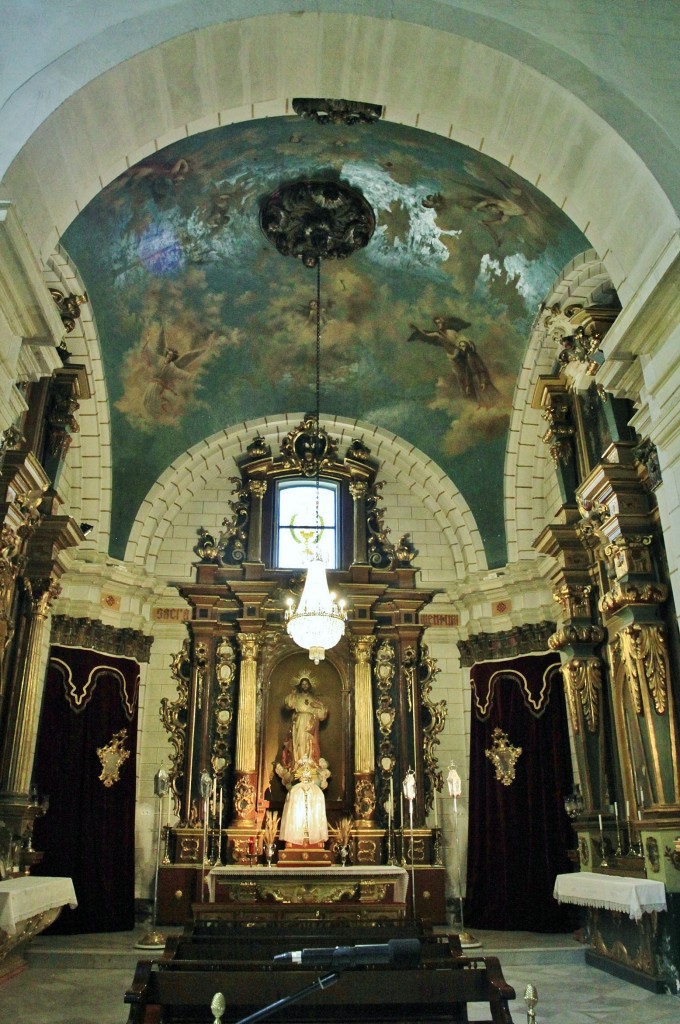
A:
[343,832]
[270,827]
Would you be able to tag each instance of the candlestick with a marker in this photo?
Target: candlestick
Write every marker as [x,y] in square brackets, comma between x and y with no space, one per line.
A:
[619,850]
[604,863]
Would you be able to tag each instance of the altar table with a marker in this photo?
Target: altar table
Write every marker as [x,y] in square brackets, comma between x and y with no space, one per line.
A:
[370,892]
[633,896]
[28,905]
[621,927]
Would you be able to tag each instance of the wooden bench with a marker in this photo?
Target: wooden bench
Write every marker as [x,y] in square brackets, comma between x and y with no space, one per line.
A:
[178,987]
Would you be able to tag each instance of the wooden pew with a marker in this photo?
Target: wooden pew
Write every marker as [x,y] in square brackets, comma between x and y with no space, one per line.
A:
[178,987]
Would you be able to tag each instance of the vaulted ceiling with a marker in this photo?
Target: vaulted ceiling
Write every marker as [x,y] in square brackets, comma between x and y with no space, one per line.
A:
[153,130]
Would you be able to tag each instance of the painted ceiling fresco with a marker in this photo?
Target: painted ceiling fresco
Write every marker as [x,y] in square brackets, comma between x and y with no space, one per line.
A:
[203,324]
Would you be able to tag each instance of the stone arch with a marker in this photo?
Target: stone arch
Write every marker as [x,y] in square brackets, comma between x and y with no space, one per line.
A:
[422,75]
[530,482]
[403,466]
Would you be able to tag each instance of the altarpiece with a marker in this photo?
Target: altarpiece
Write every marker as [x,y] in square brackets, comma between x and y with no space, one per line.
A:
[229,724]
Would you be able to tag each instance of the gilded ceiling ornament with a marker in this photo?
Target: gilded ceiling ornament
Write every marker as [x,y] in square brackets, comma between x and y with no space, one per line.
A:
[315,220]
[113,756]
[503,755]
[340,111]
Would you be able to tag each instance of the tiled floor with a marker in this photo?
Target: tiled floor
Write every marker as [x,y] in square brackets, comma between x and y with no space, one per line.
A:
[82,980]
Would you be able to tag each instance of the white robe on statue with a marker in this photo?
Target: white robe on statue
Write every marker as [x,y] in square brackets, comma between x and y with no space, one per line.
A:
[304,815]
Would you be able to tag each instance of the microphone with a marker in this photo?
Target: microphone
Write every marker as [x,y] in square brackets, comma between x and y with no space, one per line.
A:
[397,952]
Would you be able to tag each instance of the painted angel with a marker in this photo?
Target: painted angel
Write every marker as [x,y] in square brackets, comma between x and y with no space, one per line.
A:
[469,371]
[170,371]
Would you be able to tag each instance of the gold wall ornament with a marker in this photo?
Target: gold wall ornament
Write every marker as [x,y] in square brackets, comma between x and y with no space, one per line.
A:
[225,673]
[173,716]
[364,798]
[113,756]
[433,719]
[583,683]
[623,595]
[646,658]
[503,755]
[244,798]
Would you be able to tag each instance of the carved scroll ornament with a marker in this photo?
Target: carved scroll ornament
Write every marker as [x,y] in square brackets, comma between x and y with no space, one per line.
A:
[645,655]
[583,683]
[434,718]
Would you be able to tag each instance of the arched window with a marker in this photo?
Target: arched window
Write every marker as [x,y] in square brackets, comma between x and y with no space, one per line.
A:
[298,538]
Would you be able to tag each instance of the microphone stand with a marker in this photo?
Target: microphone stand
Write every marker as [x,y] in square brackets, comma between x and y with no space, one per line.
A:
[413,869]
[204,785]
[321,983]
[155,939]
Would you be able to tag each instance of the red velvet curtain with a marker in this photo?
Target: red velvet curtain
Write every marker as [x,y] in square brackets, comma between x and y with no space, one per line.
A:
[519,833]
[88,831]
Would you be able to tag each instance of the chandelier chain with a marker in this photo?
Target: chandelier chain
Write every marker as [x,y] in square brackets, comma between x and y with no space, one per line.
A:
[318,395]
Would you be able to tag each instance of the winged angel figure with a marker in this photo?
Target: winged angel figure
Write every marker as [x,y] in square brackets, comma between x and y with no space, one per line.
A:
[171,372]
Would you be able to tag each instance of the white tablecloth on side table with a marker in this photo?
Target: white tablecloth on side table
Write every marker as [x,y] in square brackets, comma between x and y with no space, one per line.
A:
[634,896]
[22,898]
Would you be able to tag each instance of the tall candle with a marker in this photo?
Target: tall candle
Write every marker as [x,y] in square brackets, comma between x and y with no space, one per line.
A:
[436,818]
[221,791]
[599,818]
[627,811]
[392,794]
[616,810]
[401,803]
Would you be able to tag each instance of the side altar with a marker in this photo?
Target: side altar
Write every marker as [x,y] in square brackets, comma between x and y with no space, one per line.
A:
[280,760]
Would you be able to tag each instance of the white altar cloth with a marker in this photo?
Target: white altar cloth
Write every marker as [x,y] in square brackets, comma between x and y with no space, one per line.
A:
[260,872]
[634,896]
[23,898]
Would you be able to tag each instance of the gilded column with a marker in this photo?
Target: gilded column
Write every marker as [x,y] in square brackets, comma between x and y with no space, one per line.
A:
[623,535]
[258,489]
[245,766]
[22,723]
[364,747]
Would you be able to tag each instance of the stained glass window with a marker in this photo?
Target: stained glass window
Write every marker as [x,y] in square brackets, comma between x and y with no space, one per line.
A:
[297,538]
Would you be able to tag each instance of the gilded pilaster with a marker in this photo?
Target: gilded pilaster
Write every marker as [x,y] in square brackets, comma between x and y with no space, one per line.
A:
[364,747]
[246,749]
[18,747]
[579,639]
[618,525]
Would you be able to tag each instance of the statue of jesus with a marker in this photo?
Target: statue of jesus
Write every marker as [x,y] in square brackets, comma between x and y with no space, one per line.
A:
[303,738]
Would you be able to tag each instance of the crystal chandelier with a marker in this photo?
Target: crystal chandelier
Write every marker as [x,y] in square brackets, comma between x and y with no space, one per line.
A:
[318,622]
